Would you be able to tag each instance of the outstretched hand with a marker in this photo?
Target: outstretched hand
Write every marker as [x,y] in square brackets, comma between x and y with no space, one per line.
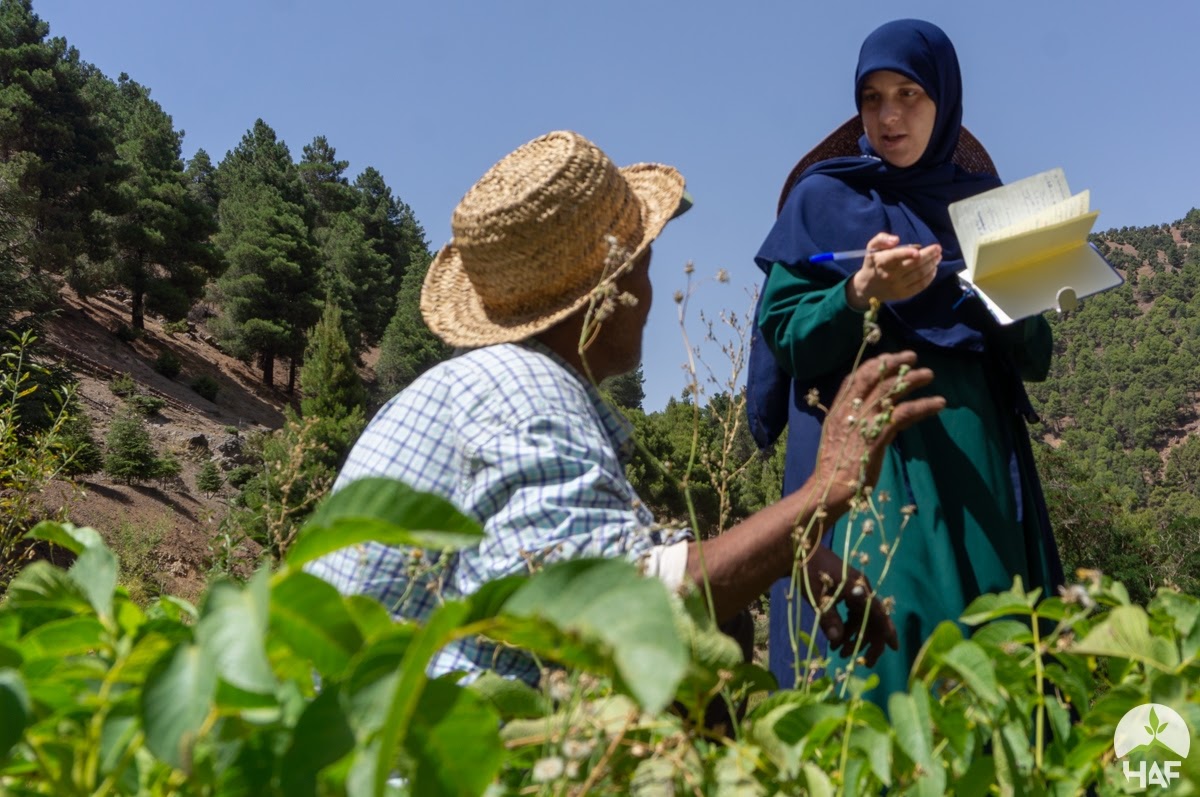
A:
[891,272]
[832,583]
[865,417]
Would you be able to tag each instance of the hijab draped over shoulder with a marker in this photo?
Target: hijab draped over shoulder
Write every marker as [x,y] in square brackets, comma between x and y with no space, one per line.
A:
[841,203]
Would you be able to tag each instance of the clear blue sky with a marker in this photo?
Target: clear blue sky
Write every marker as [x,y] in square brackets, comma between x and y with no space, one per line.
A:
[732,94]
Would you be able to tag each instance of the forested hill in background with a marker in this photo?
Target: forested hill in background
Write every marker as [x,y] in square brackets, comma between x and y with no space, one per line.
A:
[1121,411]
[303,271]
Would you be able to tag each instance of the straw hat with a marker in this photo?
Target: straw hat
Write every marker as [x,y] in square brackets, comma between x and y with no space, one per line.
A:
[843,142]
[531,239]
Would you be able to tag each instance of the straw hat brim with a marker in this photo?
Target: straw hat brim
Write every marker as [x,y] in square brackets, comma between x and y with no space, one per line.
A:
[843,142]
[453,310]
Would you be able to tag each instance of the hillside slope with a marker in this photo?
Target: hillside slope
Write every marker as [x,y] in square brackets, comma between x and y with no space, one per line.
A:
[167,530]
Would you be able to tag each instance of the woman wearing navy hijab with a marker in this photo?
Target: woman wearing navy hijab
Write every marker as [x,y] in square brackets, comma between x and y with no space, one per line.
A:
[962,484]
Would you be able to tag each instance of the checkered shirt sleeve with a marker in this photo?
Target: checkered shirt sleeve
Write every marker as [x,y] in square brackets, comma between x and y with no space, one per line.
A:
[514,438]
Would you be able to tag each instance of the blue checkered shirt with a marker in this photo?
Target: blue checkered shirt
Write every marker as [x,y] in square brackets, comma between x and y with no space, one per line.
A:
[520,442]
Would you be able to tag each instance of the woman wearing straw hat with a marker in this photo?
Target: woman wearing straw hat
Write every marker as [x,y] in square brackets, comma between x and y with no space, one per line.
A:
[551,247]
[979,515]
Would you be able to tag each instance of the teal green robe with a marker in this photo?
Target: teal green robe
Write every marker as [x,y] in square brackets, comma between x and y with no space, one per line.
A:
[978,508]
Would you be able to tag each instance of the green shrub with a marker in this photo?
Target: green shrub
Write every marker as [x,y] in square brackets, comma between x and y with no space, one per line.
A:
[175,327]
[79,445]
[123,386]
[30,458]
[194,700]
[209,479]
[130,456]
[139,572]
[206,386]
[233,430]
[167,467]
[168,365]
[146,406]
[127,334]
[241,474]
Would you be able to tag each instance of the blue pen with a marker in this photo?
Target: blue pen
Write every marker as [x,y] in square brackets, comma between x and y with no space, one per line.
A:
[851,254]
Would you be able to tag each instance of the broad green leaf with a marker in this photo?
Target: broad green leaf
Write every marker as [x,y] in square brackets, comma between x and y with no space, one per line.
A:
[1060,721]
[1125,633]
[44,586]
[176,699]
[978,779]
[995,634]
[735,773]
[448,720]
[385,511]
[818,783]
[321,737]
[311,617]
[606,609]
[74,538]
[1184,613]
[72,636]
[369,615]
[14,708]
[973,667]
[232,631]
[1016,602]
[406,695]
[510,697]
[792,728]
[654,777]
[10,657]
[876,748]
[95,571]
[1016,744]
[945,636]
[169,607]
[372,678]
[910,717]
[488,601]
[120,727]
[1071,675]
[10,625]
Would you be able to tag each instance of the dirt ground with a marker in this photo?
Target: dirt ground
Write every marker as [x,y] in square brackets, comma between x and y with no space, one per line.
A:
[168,531]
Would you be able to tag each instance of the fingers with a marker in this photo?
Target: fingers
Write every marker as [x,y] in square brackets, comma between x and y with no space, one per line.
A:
[904,270]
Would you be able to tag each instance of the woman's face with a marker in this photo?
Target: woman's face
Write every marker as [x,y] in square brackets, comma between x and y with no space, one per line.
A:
[897,116]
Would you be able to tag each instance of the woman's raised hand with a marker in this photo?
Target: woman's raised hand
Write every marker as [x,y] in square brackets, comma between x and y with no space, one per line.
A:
[891,272]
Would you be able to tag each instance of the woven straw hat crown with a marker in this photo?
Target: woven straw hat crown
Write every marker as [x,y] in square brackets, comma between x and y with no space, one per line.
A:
[533,238]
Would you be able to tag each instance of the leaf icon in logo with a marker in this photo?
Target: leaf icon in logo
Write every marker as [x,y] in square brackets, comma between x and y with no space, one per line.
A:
[1161,724]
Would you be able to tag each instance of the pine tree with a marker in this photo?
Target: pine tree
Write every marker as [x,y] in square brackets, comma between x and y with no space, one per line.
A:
[323,176]
[130,456]
[161,248]
[333,394]
[202,180]
[356,277]
[19,290]
[268,294]
[408,348]
[209,479]
[52,148]
[392,230]
[628,390]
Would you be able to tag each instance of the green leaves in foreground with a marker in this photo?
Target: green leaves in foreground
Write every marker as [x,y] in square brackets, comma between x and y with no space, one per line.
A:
[227,694]
[588,613]
[385,511]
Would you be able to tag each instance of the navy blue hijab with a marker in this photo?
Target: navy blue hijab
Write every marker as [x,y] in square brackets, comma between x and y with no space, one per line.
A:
[841,203]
